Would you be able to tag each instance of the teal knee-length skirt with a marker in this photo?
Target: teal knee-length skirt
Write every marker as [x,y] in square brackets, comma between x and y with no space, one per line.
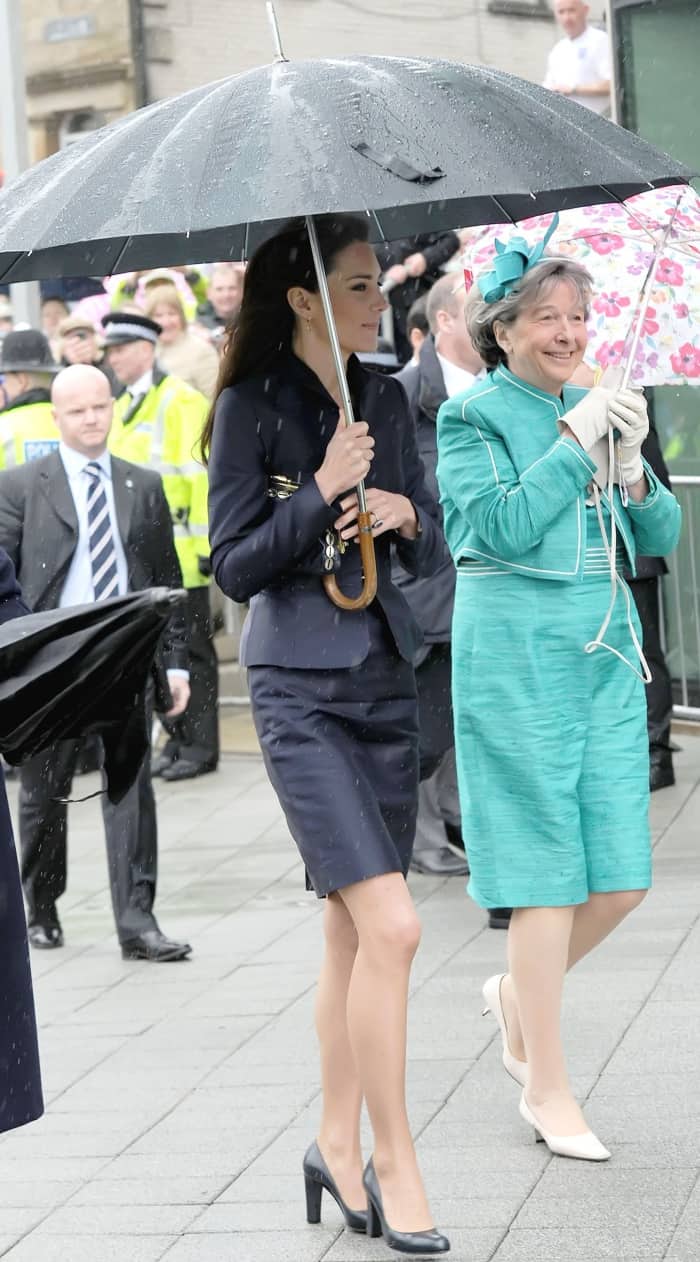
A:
[551,742]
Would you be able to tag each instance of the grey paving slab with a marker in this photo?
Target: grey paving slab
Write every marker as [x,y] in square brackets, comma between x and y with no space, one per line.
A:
[577,1245]
[15,1221]
[38,1194]
[117,1220]
[187,1190]
[265,1246]
[35,1248]
[181,1099]
[467,1246]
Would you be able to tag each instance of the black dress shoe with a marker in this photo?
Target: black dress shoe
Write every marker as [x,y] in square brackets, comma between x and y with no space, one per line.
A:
[454,835]
[153,945]
[499,917]
[317,1176]
[661,774]
[45,937]
[184,769]
[414,1242]
[160,763]
[440,862]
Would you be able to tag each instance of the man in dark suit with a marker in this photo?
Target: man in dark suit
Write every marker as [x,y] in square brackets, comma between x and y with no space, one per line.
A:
[645,589]
[447,364]
[81,525]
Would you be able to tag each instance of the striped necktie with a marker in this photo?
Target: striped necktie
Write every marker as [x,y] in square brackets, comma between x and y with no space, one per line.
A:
[103,557]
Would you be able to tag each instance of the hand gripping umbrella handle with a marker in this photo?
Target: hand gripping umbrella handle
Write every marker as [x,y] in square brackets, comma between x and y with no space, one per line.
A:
[369,561]
[369,569]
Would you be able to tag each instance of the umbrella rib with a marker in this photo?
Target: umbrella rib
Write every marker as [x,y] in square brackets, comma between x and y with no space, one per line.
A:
[375,217]
[122,251]
[508,217]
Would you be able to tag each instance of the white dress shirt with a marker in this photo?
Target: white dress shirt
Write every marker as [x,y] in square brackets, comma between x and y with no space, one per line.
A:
[456,379]
[142,386]
[77,589]
[577,62]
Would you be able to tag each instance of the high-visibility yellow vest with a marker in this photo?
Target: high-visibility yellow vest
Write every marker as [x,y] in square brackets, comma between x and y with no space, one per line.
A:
[164,435]
[26,433]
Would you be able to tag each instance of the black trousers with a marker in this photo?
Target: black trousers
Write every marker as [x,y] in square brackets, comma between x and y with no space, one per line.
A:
[659,693]
[195,735]
[130,834]
[434,687]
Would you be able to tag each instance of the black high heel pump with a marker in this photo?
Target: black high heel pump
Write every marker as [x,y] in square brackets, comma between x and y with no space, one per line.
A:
[415,1242]
[317,1176]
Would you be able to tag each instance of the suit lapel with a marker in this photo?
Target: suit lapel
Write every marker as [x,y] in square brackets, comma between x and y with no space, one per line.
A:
[55,487]
[123,487]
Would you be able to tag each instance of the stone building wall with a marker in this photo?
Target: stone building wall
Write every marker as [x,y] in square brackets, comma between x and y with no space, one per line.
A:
[79,67]
[81,70]
[199,40]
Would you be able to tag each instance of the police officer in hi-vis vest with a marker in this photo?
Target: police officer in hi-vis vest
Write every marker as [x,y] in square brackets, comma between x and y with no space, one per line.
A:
[158,421]
[27,429]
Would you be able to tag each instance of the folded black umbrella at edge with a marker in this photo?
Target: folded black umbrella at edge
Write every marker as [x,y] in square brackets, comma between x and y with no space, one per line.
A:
[67,672]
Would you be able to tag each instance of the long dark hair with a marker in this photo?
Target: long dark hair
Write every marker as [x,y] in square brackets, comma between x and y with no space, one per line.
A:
[265,322]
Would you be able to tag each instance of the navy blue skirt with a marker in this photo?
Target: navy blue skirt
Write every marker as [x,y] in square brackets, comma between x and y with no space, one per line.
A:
[341,751]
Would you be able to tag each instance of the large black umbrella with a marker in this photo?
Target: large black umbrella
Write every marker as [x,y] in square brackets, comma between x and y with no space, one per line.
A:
[420,145]
[66,672]
[415,144]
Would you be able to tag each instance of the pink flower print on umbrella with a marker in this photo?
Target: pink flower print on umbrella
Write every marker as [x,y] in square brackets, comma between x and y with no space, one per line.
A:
[668,272]
[686,361]
[610,304]
[605,242]
[681,310]
[651,324]
[609,353]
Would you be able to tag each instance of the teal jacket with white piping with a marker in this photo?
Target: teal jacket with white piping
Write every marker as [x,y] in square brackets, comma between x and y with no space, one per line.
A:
[513,490]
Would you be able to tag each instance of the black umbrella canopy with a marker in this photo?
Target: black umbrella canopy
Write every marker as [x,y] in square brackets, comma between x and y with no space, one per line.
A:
[65,672]
[419,145]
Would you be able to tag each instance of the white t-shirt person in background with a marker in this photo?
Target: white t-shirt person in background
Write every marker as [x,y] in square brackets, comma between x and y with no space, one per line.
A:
[579,64]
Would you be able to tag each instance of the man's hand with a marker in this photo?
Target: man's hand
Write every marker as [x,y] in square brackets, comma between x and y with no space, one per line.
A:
[415,264]
[389,512]
[180,693]
[396,274]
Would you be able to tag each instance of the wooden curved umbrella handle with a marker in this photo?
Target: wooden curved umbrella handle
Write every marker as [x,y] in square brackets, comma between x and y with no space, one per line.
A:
[369,571]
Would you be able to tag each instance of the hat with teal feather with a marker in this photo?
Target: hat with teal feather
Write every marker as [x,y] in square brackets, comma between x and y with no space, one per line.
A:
[513,259]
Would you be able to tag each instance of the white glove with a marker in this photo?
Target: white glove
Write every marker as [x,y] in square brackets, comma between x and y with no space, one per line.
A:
[588,420]
[628,414]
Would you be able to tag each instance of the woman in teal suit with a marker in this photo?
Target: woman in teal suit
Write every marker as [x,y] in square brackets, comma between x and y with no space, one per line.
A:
[548,684]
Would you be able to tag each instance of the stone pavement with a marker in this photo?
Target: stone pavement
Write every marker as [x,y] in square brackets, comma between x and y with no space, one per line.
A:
[181,1096]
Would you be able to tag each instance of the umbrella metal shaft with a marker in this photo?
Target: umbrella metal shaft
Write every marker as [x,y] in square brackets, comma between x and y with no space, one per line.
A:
[645,297]
[277,38]
[334,341]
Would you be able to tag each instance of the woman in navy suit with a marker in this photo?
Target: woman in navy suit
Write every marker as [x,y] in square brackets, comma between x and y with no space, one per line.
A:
[20,1082]
[333,692]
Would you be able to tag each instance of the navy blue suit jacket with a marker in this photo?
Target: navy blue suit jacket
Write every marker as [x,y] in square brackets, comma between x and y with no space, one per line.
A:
[269,551]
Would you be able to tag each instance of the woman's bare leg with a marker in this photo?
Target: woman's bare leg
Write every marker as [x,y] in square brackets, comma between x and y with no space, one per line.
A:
[538,950]
[339,1132]
[593,921]
[543,944]
[596,919]
[388,935]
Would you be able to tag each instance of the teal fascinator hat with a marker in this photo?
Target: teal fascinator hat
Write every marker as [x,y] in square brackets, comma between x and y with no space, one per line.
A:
[513,260]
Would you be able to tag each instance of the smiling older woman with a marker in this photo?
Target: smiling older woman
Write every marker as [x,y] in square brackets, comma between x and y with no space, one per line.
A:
[550,714]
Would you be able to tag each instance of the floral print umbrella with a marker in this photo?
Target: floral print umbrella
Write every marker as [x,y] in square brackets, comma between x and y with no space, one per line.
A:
[616,243]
